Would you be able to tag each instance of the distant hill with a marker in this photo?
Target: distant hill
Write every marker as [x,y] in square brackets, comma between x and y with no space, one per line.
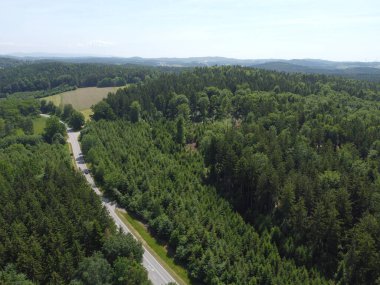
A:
[9,62]
[326,64]
[286,67]
[357,70]
[360,70]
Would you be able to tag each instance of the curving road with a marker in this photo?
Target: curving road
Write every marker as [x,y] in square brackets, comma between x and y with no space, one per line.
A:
[157,274]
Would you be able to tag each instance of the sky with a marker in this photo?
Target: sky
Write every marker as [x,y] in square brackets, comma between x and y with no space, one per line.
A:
[247,29]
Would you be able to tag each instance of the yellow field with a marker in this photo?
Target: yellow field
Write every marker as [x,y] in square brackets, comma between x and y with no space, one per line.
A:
[81,98]
[87,113]
[56,99]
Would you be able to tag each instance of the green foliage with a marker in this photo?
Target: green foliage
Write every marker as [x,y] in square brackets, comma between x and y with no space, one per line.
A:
[135,111]
[10,276]
[49,216]
[105,82]
[47,107]
[40,93]
[279,182]
[119,81]
[102,110]
[110,82]
[27,126]
[53,127]
[39,125]
[76,120]
[21,139]
[17,114]
[50,219]
[225,87]
[121,264]
[67,111]
[362,261]
[129,272]
[295,155]
[94,270]
[58,138]
[203,105]
[180,135]
[48,78]
[200,227]
[121,245]
[88,142]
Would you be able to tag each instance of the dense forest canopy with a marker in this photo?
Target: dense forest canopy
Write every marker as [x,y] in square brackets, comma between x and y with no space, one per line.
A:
[16,116]
[155,95]
[53,228]
[297,156]
[63,76]
[6,62]
[248,176]
[369,71]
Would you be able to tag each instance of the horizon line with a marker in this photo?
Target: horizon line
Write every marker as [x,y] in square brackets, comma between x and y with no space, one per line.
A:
[52,55]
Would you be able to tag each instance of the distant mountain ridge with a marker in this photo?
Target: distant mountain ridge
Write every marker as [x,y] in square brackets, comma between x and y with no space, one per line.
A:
[356,70]
[352,69]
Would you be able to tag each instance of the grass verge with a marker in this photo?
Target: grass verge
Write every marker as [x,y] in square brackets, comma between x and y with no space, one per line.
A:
[87,113]
[39,125]
[154,247]
[71,154]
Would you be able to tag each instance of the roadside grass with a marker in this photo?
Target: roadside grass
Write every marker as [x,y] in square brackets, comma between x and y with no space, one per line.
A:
[70,150]
[87,113]
[39,125]
[155,248]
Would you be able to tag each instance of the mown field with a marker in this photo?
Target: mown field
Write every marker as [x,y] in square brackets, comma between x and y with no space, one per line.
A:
[81,98]
[87,113]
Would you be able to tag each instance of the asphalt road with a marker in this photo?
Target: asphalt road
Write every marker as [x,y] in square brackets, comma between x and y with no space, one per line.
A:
[157,274]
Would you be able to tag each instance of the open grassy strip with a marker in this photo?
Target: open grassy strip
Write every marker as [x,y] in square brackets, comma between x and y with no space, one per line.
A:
[87,113]
[55,99]
[39,125]
[69,148]
[154,247]
[84,98]
[81,98]
[27,94]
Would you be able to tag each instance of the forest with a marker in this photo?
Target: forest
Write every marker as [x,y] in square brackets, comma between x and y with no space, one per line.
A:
[53,228]
[249,176]
[16,121]
[59,77]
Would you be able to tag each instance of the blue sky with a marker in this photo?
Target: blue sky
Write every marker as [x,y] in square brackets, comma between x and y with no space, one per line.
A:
[334,29]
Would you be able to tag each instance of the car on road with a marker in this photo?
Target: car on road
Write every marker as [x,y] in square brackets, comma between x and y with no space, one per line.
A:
[86,171]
